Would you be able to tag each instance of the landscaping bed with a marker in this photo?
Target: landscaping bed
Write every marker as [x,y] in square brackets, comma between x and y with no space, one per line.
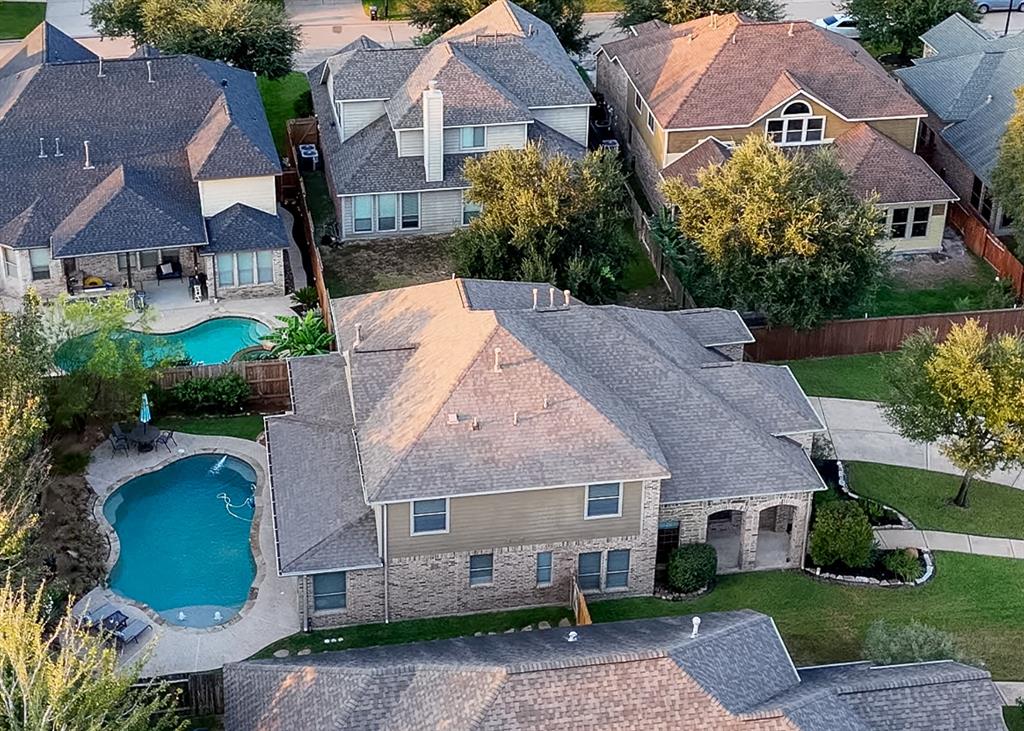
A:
[845,376]
[925,497]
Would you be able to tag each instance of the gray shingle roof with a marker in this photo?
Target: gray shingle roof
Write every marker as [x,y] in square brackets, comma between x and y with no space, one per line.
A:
[969,85]
[736,675]
[143,140]
[243,228]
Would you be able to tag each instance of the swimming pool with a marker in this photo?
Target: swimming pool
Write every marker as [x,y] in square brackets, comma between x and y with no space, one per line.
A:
[208,343]
[184,535]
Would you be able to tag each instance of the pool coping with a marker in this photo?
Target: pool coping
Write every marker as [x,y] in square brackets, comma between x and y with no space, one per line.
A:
[217,446]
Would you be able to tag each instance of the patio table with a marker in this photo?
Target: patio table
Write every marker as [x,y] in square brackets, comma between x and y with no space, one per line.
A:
[144,435]
[115,621]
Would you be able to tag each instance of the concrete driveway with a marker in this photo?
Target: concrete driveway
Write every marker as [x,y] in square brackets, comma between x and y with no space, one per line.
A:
[860,433]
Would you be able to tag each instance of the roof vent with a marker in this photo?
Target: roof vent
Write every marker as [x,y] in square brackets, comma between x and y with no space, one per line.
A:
[149,71]
[453,418]
[57,152]
[88,164]
[572,637]
[497,360]
[791,26]
[535,298]
[515,418]
[42,152]
[565,294]
[714,20]
[224,83]
[101,74]
[988,100]
[551,297]
[359,335]
[696,628]
[475,424]
[547,401]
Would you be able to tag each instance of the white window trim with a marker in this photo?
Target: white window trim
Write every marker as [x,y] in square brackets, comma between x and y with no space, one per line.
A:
[462,146]
[805,118]
[650,121]
[32,268]
[600,571]
[16,274]
[463,223]
[419,211]
[908,234]
[376,210]
[469,575]
[236,281]
[637,101]
[586,503]
[551,569]
[313,595]
[603,573]
[412,518]
[373,213]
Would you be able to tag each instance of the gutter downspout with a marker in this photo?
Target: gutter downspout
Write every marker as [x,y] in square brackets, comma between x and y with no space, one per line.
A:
[387,612]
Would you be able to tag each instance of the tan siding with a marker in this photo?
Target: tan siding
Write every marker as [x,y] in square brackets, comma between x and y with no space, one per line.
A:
[410,143]
[497,137]
[573,122]
[933,242]
[514,519]
[655,141]
[440,212]
[356,115]
[259,192]
[900,131]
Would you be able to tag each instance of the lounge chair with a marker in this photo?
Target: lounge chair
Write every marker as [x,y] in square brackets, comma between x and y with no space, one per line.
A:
[131,631]
[168,270]
[167,436]
[95,616]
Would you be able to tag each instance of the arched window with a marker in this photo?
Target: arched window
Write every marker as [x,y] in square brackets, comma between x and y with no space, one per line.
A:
[796,108]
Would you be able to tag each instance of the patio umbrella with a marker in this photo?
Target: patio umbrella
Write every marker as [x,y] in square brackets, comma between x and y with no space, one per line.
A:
[144,415]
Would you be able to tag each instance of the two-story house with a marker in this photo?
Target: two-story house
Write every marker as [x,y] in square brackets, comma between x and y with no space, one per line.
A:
[478,445]
[681,96]
[117,172]
[966,81]
[396,124]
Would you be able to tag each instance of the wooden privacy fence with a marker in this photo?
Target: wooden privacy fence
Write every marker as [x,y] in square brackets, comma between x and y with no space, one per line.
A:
[869,335]
[984,243]
[578,604]
[268,379]
[642,226]
[197,694]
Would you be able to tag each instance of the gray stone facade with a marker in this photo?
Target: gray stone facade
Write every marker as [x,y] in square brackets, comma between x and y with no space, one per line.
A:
[247,291]
[364,601]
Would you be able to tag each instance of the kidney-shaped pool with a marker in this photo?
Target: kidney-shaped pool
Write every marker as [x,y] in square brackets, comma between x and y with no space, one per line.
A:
[184,536]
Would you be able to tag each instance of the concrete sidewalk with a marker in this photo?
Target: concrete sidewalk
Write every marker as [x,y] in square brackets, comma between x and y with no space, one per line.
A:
[860,433]
[1010,691]
[956,542]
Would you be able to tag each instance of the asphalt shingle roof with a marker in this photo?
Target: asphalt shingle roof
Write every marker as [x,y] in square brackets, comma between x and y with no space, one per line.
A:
[704,74]
[969,86]
[148,144]
[736,675]
[243,228]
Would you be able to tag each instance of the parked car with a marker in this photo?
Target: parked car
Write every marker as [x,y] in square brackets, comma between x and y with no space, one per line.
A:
[845,25]
[985,5]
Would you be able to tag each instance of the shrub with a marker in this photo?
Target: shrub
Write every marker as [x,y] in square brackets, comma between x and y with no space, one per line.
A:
[692,567]
[887,643]
[842,534]
[307,297]
[223,394]
[71,463]
[904,564]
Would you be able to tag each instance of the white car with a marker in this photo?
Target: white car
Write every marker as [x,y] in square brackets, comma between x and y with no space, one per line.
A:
[844,25]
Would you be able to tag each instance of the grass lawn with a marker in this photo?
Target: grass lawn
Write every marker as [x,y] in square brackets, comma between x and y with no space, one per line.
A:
[396,9]
[602,6]
[924,497]
[978,598]
[280,97]
[17,19]
[1014,717]
[246,426]
[846,376]
[416,630]
[370,266]
[918,291]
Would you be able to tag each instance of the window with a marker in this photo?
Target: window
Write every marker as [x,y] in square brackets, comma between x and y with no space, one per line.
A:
[473,138]
[329,591]
[909,223]
[637,101]
[589,573]
[797,126]
[40,261]
[410,210]
[122,262]
[362,216]
[226,270]
[604,500]
[616,572]
[430,516]
[149,259]
[10,263]
[470,210]
[919,225]
[1005,219]
[264,267]
[386,220]
[650,120]
[981,199]
[246,273]
[481,569]
[544,561]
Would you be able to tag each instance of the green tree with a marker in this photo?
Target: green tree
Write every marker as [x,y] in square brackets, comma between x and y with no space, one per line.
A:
[635,12]
[24,465]
[841,534]
[782,234]
[545,218]
[966,393]
[306,335]
[251,34]
[565,17]
[900,23]
[56,676]
[1008,176]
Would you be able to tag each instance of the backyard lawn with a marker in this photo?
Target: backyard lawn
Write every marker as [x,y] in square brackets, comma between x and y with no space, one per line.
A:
[1014,717]
[922,286]
[17,19]
[247,426]
[925,497]
[281,99]
[846,376]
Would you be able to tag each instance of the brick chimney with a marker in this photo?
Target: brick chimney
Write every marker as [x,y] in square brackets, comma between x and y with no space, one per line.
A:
[433,133]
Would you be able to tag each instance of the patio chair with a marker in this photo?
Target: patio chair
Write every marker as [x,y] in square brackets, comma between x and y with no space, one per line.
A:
[118,443]
[94,617]
[166,436]
[131,631]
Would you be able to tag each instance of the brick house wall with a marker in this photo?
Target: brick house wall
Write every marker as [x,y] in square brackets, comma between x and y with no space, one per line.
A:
[950,167]
[247,291]
[364,601]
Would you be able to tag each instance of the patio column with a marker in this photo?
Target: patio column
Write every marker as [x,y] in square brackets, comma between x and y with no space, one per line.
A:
[748,539]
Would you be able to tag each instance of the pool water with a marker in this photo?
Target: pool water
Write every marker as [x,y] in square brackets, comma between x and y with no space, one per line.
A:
[208,343]
[184,534]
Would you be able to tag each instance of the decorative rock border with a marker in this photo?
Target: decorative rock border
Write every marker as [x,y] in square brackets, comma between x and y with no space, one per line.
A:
[905,523]
[678,596]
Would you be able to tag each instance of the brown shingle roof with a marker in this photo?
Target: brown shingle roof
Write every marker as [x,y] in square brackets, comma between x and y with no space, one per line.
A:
[728,70]
[709,152]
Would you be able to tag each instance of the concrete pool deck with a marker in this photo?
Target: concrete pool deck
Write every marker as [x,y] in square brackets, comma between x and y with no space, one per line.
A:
[171,649]
[171,316]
